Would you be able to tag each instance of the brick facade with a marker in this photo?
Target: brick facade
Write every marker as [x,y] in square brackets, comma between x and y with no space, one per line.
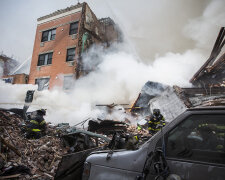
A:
[59,47]
[89,31]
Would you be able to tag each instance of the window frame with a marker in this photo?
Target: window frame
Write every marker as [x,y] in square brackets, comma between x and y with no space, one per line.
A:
[45,59]
[69,55]
[48,35]
[75,29]
[67,76]
[38,78]
[180,159]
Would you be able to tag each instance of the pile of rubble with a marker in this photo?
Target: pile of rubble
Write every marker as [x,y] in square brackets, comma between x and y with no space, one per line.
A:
[39,158]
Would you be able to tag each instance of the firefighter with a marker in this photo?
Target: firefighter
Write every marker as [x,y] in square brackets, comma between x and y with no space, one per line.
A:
[139,128]
[37,125]
[155,120]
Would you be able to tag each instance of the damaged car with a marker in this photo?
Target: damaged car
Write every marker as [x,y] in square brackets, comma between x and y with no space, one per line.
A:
[191,147]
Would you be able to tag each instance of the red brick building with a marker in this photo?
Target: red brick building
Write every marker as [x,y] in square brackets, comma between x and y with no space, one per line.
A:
[61,38]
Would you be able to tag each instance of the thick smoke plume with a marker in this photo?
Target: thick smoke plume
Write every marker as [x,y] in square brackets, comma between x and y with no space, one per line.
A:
[159,27]
[167,44]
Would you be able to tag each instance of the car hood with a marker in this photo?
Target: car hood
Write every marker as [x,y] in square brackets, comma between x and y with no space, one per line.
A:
[122,159]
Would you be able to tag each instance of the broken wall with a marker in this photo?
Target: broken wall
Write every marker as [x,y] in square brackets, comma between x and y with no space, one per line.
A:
[92,27]
[90,32]
[111,31]
[149,90]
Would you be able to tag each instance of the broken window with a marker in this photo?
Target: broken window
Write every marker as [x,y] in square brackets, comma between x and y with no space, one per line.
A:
[198,138]
[74,28]
[70,54]
[48,35]
[45,59]
[68,82]
[43,83]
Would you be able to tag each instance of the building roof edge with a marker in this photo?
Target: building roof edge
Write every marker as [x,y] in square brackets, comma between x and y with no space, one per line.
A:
[61,11]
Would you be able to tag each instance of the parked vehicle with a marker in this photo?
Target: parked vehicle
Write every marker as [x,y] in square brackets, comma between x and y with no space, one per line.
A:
[193,145]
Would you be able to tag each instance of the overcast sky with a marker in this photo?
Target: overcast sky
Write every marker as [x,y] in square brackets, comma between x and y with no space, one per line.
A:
[154,26]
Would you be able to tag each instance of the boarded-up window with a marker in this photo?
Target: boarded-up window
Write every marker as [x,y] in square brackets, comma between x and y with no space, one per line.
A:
[43,83]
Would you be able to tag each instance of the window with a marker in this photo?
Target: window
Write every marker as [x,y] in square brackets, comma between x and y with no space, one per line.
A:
[45,59]
[70,54]
[68,82]
[198,138]
[48,35]
[43,83]
[73,28]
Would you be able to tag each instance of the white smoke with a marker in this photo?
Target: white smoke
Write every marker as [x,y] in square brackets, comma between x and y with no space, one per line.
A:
[118,78]
[172,45]
[13,94]
[204,29]
[1,69]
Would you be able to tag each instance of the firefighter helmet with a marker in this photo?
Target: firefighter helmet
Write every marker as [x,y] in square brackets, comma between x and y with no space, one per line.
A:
[156,112]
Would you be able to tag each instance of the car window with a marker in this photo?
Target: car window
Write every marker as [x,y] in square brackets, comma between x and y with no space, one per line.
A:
[199,138]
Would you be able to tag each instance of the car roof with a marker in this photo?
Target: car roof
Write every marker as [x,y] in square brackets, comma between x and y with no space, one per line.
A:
[207,108]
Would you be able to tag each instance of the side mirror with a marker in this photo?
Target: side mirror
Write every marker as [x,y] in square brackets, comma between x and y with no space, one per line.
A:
[173,177]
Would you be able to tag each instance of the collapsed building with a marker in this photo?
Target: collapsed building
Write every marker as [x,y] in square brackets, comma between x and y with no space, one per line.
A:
[62,37]
[208,88]
[212,73]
